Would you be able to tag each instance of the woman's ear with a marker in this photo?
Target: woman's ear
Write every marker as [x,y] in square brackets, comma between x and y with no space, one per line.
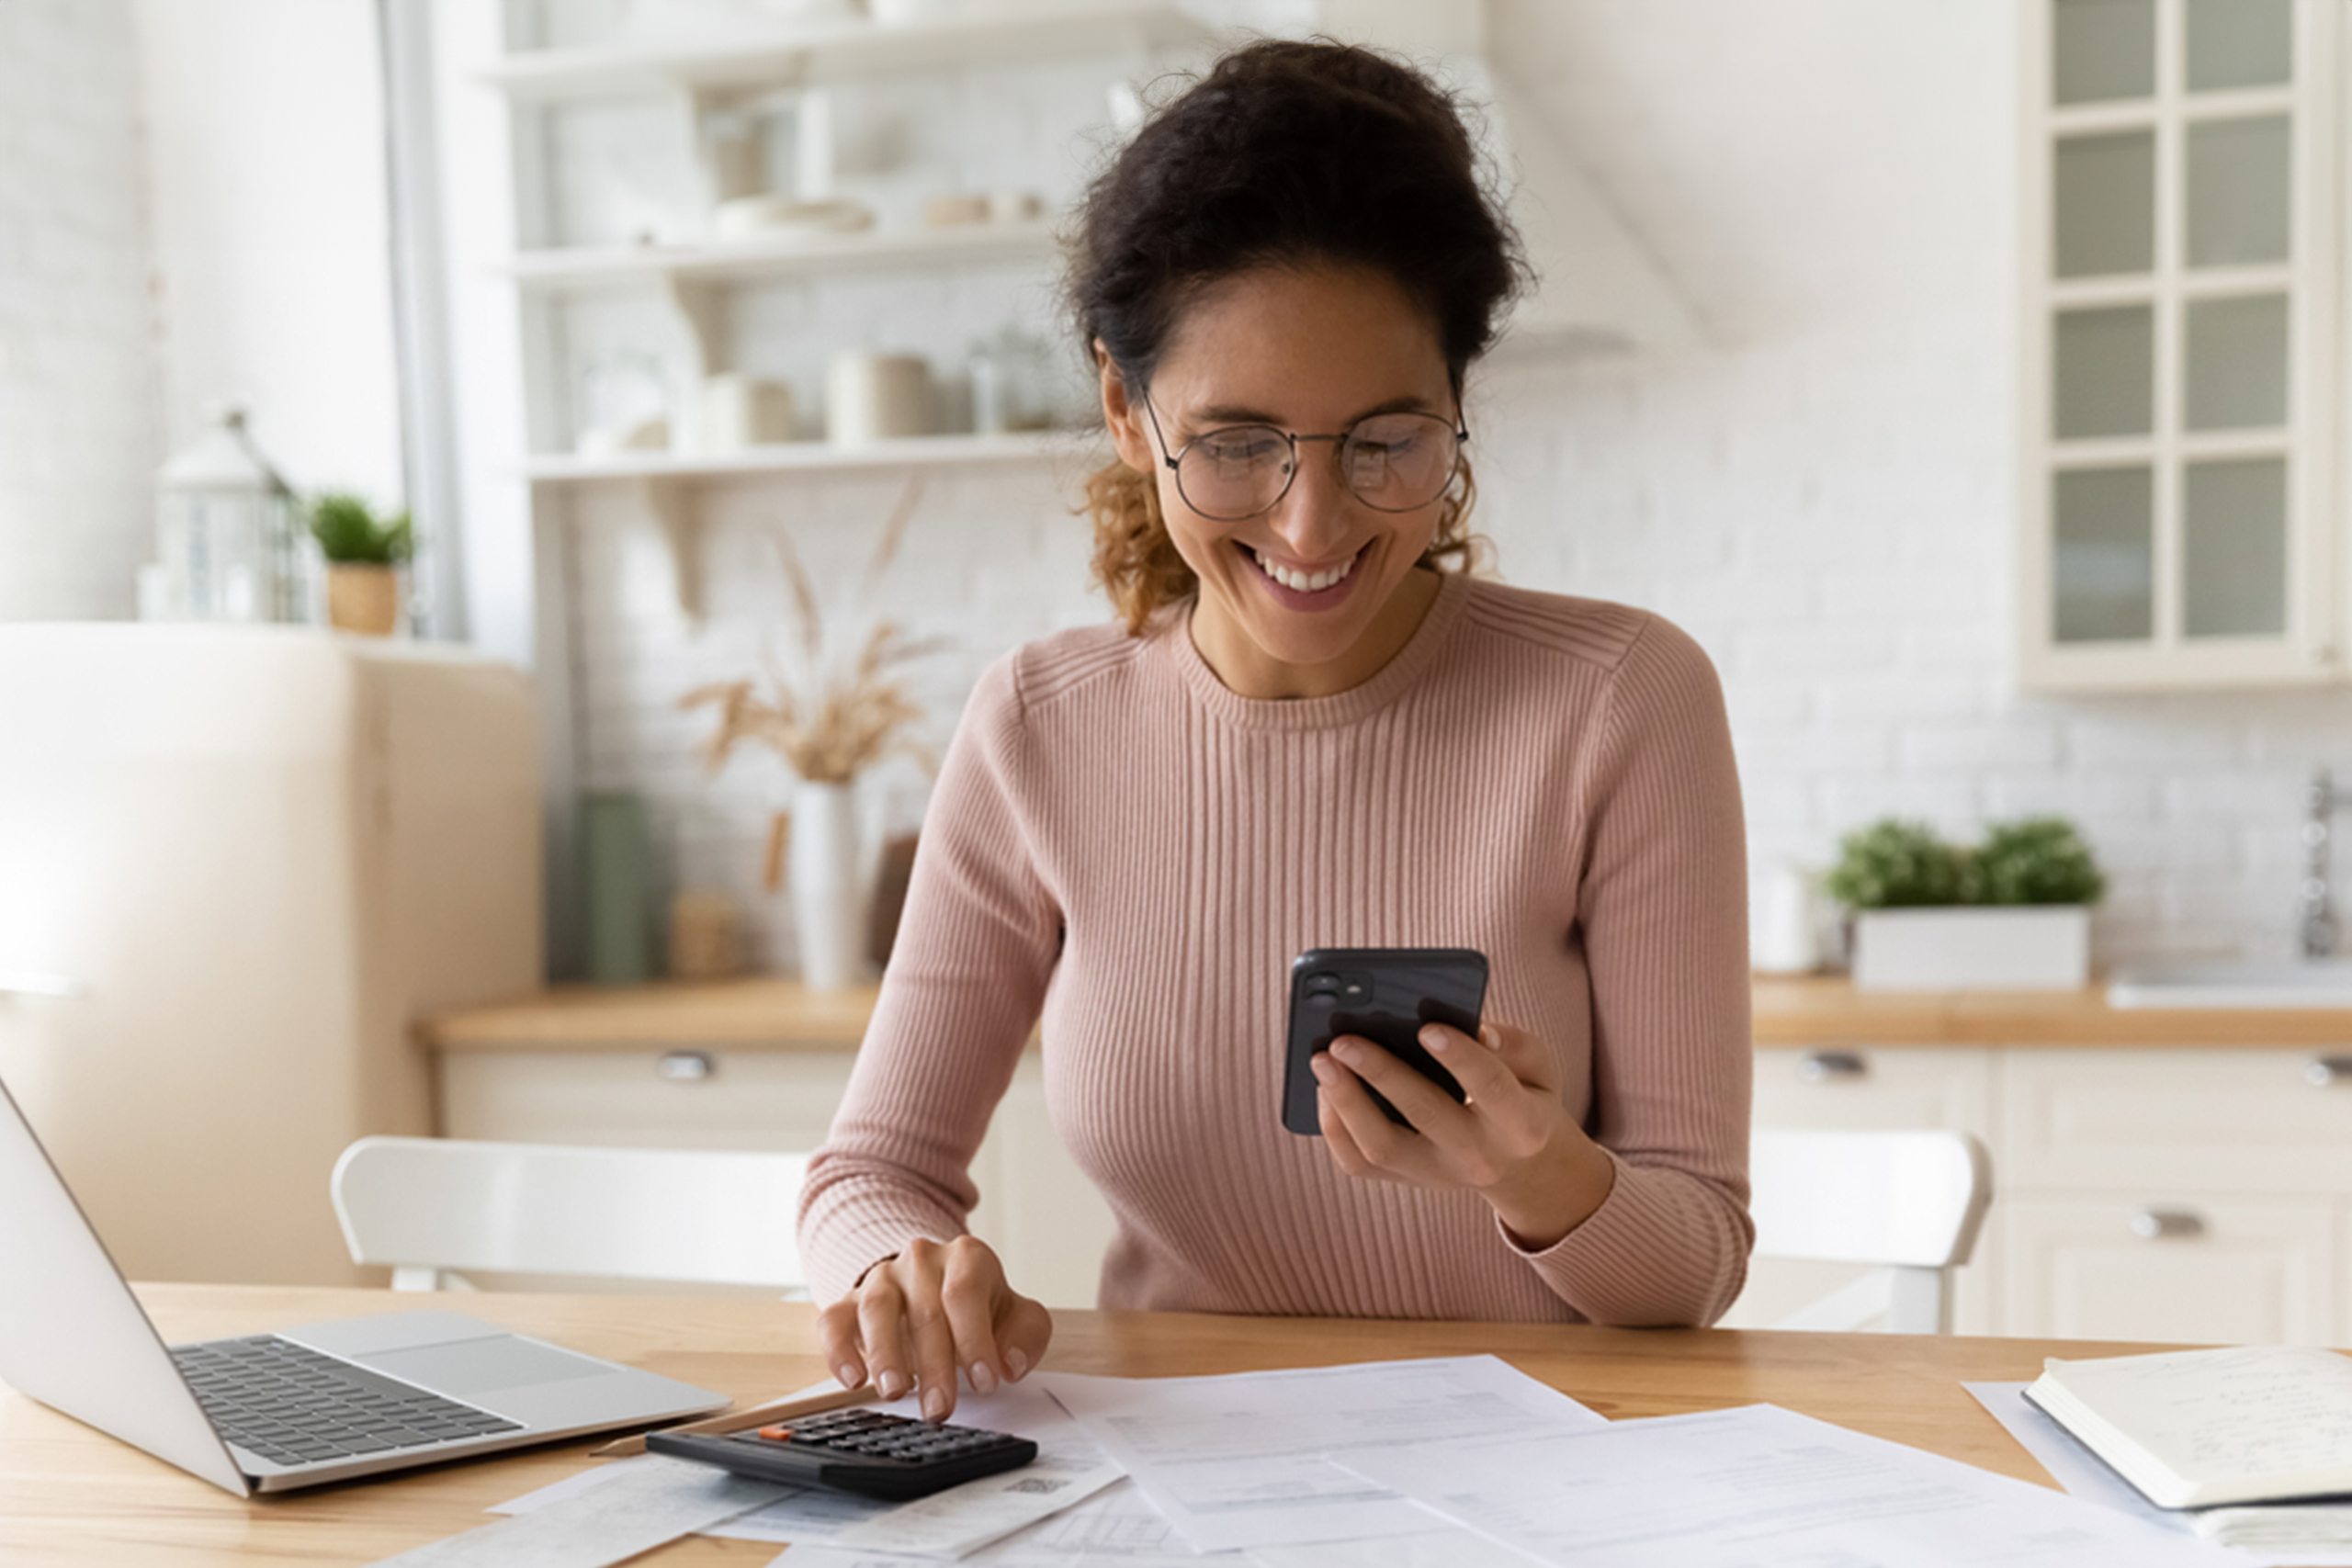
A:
[1123,415]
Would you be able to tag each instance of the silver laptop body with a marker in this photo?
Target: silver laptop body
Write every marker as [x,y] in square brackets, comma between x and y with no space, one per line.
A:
[73,1337]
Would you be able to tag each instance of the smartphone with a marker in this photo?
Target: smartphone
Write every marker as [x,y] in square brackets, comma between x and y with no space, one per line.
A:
[1381,994]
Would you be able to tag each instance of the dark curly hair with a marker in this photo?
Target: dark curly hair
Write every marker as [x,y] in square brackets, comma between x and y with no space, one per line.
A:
[1285,154]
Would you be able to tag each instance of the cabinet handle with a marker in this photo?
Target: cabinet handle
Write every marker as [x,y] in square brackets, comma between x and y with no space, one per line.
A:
[2325,1072]
[2167,1225]
[684,1067]
[1827,1067]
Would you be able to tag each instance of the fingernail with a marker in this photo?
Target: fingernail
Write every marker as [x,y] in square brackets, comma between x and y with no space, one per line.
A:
[935,1405]
[846,1375]
[1017,1364]
[1433,1037]
[893,1386]
[1345,1052]
[983,1378]
[1324,1070]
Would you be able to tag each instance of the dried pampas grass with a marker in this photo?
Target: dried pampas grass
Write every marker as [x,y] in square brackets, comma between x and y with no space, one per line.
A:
[830,723]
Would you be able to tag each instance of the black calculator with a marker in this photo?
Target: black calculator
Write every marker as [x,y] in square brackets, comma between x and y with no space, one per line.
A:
[869,1451]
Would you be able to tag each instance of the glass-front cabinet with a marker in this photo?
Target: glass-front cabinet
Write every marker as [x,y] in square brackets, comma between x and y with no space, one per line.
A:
[2181,350]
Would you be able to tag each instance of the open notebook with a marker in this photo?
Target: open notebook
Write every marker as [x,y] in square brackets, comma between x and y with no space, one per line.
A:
[2196,1428]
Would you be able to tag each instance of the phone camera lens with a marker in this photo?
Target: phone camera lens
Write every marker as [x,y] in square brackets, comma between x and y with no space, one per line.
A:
[1322,984]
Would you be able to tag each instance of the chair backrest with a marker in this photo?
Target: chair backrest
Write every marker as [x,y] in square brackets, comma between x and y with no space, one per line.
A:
[431,1205]
[1911,1202]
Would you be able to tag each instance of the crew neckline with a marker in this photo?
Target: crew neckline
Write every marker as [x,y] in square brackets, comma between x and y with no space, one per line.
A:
[1387,684]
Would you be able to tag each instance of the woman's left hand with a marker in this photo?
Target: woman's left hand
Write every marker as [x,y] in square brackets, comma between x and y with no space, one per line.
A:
[1513,1142]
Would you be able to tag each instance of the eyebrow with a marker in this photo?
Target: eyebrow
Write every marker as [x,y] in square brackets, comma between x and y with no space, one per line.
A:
[1220,416]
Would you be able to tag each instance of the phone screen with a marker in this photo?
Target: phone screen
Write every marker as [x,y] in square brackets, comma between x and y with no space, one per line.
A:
[1381,994]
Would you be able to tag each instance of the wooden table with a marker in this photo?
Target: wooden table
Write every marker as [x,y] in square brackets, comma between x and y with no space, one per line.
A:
[71,1495]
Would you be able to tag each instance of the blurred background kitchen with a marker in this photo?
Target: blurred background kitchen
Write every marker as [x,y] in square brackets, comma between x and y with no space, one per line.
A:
[1966,375]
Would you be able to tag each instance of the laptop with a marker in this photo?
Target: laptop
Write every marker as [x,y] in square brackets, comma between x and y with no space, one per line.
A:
[298,1408]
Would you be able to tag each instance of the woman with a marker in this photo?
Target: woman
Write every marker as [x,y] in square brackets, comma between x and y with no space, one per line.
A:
[1304,734]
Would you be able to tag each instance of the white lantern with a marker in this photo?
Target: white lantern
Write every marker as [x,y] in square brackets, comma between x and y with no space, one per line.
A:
[227,535]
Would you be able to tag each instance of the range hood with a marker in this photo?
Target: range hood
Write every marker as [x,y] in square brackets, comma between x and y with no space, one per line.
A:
[1597,290]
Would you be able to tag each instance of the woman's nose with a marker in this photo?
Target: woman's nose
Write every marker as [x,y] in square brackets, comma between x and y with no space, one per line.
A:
[1312,516]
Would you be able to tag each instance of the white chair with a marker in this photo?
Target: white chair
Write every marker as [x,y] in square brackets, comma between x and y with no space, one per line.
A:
[430,1206]
[1910,1203]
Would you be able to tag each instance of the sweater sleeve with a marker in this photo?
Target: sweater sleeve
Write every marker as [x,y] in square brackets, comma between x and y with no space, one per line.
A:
[1664,919]
[968,970]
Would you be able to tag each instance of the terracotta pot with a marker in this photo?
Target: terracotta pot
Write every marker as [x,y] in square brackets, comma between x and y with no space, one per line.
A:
[363,598]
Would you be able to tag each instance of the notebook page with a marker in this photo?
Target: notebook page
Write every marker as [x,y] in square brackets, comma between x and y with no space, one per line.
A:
[2223,1415]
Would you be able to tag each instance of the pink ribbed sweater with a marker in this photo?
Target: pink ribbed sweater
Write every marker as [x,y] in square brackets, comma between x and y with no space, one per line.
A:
[1123,845]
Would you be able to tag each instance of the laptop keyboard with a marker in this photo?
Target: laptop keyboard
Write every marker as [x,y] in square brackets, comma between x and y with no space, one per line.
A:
[293,1405]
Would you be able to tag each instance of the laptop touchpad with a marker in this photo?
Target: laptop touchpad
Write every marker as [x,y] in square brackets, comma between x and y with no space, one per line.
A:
[484,1366]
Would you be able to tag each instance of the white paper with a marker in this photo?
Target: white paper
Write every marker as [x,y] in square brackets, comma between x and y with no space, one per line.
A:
[1243,1460]
[954,1523]
[1116,1527]
[1732,1488]
[2084,1474]
[614,1517]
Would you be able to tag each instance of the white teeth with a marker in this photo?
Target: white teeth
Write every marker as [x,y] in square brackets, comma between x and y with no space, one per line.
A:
[1300,581]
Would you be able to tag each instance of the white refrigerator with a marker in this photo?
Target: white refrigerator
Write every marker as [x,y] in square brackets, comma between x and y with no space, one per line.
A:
[236,863]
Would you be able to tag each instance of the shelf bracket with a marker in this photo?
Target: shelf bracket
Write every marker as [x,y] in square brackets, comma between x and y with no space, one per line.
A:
[671,504]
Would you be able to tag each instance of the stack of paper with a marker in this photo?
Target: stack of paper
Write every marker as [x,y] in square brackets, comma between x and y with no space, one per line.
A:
[1433,1464]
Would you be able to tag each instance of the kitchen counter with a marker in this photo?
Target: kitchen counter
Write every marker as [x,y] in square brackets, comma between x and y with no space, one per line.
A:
[769,1014]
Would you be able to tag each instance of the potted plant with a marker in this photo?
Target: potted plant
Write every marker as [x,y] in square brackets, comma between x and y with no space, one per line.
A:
[2011,914]
[364,553]
[831,709]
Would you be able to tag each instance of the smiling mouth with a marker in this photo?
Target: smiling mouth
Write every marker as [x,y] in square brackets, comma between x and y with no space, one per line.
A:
[1306,582]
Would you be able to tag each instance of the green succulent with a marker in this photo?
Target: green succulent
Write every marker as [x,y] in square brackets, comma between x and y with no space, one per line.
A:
[1896,864]
[348,530]
[2036,860]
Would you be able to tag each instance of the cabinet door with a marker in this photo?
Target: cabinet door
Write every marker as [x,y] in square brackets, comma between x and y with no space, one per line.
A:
[2168,1269]
[1866,1089]
[2208,1121]
[683,1099]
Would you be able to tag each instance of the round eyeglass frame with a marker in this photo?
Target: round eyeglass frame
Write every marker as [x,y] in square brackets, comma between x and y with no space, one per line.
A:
[1175,462]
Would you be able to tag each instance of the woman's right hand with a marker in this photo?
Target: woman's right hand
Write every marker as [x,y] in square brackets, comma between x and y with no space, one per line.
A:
[920,1315]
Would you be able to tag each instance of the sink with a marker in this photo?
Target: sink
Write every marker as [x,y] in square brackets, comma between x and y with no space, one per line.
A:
[2286,983]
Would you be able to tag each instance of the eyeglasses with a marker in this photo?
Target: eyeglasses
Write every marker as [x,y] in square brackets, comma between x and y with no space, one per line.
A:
[1391,462]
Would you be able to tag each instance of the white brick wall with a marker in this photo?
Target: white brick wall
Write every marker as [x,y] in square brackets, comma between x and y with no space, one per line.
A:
[77,391]
[1823,498]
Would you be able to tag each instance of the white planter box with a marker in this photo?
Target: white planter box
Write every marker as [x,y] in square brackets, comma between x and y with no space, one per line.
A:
[2030,948]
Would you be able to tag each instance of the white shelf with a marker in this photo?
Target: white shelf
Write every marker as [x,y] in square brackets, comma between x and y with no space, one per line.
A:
[813,456]
[964,244]
[844,50]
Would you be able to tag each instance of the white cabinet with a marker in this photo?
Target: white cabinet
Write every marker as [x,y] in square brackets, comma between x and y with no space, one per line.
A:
[2180,504]
[2172,1265]
[1037,1209]
[2153,1194]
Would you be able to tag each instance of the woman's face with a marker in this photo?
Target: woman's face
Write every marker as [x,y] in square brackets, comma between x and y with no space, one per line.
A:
[1316,593]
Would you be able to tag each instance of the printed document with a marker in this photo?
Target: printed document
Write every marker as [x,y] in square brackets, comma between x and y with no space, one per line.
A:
[1730,1488]
[1243,1460]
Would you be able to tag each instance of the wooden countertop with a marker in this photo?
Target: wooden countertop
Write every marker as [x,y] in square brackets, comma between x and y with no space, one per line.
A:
[783,1015]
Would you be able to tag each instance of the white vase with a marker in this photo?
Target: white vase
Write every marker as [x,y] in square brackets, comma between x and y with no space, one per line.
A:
[828,886]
